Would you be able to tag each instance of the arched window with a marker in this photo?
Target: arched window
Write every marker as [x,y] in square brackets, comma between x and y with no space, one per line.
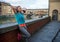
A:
[55,14]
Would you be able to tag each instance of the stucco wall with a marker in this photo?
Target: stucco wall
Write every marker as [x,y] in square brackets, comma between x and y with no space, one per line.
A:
[37,11]
[55,5]
[6,9]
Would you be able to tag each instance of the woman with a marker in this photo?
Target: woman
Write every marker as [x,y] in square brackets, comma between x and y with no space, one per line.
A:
[19,15]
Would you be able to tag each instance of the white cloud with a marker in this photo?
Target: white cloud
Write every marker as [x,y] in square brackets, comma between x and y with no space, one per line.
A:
[33,4]
[12,0]
[40,4]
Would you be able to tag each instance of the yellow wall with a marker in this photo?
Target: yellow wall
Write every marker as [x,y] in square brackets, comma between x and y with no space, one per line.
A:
[55,5]
[37,11]
[6,9]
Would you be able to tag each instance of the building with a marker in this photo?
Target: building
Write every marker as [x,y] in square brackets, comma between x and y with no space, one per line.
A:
[5,9]
[37,11]
[54,9]
[0,8]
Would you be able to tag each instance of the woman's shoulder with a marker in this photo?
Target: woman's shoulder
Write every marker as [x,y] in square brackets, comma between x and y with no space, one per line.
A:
[18,13]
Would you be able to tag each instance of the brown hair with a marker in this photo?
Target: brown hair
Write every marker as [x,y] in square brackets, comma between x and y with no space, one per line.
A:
[24,11]
[17,8]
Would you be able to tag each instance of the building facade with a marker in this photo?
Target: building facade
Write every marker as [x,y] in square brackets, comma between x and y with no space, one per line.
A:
[37,11]
[5,9]
[54,9]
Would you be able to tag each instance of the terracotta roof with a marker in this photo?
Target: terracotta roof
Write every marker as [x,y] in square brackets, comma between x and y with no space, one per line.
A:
[54,0]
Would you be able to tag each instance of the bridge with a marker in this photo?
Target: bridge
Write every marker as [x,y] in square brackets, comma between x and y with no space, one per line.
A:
[41,30]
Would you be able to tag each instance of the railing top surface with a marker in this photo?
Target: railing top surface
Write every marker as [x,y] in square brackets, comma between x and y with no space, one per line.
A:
[26,21]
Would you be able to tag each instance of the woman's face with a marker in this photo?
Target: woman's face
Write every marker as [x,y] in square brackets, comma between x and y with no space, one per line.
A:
[19,9]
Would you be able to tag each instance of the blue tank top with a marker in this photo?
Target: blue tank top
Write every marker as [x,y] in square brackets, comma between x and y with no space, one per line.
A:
[20,18]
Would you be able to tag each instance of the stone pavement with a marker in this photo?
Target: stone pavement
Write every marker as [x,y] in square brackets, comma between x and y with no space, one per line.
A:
[47,33]
[57,39]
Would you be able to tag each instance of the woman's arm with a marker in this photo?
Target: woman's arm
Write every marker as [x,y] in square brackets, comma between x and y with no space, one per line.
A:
[14,9]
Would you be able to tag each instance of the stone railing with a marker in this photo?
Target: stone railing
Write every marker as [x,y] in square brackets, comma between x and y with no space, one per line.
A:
[8,32]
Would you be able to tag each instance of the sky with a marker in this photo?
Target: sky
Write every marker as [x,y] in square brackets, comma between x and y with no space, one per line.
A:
[29,4]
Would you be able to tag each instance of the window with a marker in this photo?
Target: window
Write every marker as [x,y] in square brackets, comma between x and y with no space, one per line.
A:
[0,10]
[0,4]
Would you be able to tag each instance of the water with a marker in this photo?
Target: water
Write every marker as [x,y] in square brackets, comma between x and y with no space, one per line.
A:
[6,20]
